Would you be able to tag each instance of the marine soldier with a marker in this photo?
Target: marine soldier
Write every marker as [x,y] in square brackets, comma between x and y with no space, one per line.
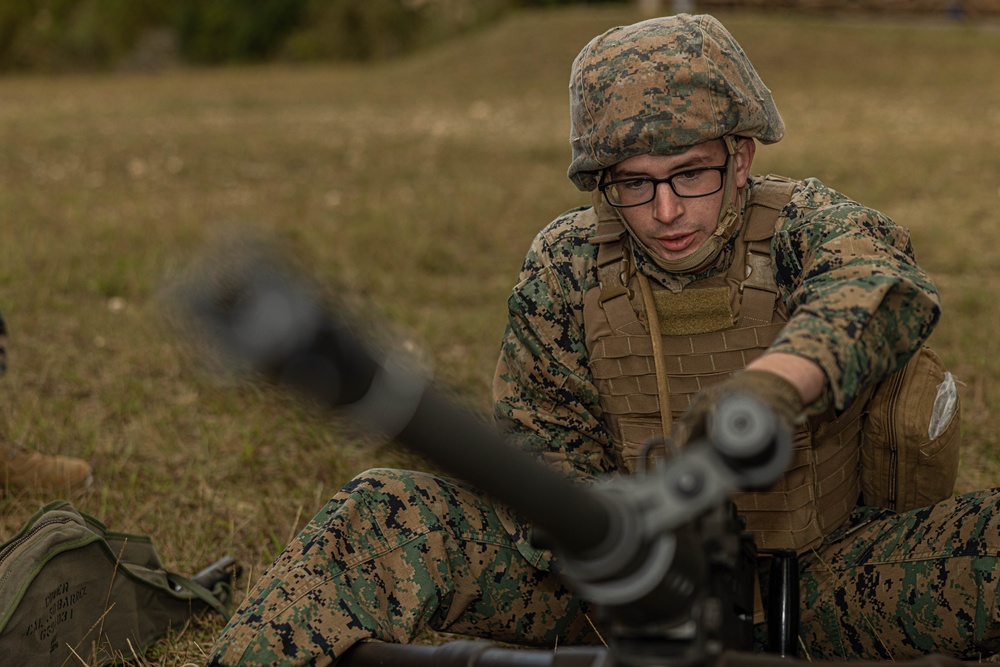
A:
[687,279]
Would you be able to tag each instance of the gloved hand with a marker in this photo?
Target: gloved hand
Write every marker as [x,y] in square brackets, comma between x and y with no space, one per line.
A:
[778,393]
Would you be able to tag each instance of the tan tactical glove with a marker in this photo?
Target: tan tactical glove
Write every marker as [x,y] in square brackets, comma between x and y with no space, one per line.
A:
[778,393]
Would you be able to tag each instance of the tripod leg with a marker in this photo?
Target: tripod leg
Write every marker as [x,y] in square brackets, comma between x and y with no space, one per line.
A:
[783,603]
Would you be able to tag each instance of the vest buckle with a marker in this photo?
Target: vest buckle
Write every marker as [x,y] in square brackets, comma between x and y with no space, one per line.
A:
[759,274]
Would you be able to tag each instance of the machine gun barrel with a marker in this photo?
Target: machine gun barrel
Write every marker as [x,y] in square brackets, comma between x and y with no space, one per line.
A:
[574,518]
[268,321]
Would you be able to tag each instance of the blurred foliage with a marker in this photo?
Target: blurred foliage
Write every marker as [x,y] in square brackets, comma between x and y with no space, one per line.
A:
[78,34]
[74,35]
[377,29]
[234,30]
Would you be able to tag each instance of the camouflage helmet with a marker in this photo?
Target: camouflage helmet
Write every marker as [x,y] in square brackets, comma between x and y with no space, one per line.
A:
[659,87]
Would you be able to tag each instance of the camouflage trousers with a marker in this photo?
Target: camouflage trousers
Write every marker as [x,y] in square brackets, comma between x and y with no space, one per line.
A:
[393,554]
[893,586]
[396,553]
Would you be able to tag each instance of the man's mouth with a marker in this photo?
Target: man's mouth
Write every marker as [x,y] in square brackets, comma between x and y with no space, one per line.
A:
[676,243]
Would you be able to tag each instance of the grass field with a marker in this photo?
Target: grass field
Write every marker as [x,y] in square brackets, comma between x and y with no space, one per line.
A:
[411,189]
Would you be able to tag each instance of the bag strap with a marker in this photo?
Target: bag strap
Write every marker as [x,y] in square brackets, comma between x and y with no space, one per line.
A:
[140,561]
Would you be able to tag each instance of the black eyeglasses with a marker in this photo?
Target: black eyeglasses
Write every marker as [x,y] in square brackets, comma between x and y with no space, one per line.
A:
[687,184]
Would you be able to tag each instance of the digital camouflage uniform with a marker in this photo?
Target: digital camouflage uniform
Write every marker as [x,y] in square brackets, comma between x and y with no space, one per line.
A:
[396,552]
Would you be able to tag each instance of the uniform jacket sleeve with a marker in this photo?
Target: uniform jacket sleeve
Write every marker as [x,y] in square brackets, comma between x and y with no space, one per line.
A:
[858,303]
[543,393]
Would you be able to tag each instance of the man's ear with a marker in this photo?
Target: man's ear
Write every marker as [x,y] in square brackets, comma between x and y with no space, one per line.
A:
[745,151]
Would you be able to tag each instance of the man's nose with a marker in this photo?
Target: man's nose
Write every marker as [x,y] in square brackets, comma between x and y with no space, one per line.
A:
[667,206]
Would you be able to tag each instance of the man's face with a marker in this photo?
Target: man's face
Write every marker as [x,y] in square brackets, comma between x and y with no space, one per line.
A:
[674,227]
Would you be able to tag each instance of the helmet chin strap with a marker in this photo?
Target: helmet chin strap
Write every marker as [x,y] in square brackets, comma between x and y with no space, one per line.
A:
[729,215]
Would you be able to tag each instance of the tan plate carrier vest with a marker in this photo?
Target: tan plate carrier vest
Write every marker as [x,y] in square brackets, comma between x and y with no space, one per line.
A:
[708,331]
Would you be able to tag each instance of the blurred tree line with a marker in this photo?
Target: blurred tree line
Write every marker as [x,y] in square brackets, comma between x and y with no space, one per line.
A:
[62,35]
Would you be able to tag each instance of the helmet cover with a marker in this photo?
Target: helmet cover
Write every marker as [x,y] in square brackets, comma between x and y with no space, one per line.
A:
[659,87]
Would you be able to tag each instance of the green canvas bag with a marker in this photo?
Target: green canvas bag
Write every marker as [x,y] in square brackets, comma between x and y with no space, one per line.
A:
[72,592]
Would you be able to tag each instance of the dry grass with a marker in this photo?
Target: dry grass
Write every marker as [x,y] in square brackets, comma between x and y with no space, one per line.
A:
[413,189]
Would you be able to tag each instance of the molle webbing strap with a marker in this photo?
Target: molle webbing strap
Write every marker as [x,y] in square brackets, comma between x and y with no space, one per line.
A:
[759,291]
[627,365]
[818,490]
[692,353]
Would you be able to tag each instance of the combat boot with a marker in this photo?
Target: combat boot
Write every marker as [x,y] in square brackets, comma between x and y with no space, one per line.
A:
[23,470]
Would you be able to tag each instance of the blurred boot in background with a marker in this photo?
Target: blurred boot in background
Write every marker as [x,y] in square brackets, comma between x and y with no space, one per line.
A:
[24,470]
